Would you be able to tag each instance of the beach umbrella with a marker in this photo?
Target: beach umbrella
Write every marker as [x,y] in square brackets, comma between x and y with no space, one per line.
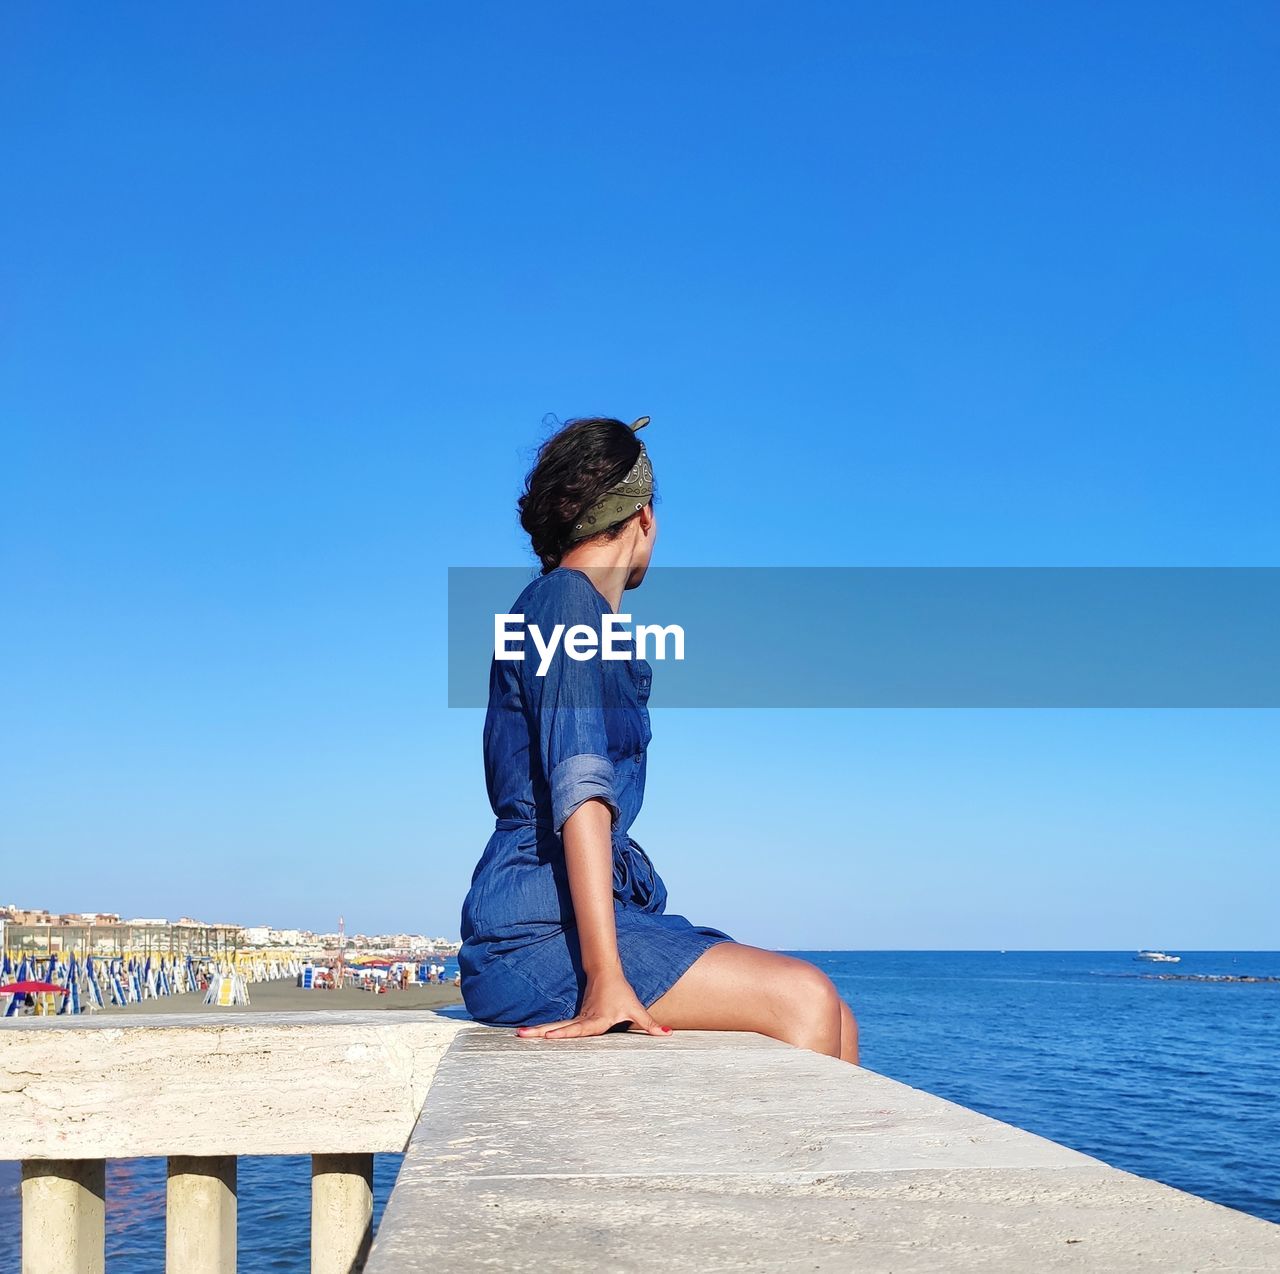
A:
[71,1003]
[95,987]
[227,987]
[114,972]
[29,987]
[25,974]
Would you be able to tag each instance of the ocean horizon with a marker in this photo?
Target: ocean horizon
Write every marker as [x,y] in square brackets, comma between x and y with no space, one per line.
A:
[1141,1065]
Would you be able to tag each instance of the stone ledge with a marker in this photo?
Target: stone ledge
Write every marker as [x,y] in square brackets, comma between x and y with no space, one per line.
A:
[1086,1220]
[715,1152]
[721,1103]
[489,1039]
[199,1084]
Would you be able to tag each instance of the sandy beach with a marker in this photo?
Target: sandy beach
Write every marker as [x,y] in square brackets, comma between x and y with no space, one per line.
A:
[284,996]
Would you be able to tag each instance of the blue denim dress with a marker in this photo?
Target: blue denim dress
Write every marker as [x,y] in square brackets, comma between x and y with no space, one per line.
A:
[552,742]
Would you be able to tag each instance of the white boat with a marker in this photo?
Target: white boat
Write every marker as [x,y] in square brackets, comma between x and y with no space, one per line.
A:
[1158,957]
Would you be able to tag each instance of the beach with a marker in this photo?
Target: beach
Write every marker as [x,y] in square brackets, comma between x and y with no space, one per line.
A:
[284,996]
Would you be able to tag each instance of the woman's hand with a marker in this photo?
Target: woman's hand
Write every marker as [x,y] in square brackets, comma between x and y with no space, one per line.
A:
[609,1000]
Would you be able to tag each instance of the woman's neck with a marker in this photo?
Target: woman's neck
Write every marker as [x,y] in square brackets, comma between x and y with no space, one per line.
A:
[606,565]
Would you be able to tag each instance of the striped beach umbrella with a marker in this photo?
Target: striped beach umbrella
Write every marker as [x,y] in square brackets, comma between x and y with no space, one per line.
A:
[93,984]
[115,980]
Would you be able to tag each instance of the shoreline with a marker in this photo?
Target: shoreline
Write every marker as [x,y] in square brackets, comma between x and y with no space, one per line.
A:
[283,995]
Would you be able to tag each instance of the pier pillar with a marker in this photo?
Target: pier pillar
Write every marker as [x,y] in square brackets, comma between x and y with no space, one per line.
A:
[64,1216]
[200,1215]
[341,1213]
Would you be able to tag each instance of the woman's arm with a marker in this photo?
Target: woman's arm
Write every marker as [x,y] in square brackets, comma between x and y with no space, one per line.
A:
[588,855]
[609,999]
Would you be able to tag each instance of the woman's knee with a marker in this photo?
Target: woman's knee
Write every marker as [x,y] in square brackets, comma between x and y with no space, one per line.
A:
[812,1008]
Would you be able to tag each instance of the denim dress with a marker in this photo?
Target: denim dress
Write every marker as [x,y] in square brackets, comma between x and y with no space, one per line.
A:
[551,742]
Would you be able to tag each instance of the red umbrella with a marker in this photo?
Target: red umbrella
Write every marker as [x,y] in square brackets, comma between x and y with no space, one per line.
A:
[31,988]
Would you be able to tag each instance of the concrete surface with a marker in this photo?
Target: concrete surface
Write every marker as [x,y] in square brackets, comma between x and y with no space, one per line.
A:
[341,1212]
[200,1215]
[713,1151]
[704,1151]
[122,1087]
[64,1216]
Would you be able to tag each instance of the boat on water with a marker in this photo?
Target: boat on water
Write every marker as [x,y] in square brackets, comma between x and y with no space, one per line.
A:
[1158,957]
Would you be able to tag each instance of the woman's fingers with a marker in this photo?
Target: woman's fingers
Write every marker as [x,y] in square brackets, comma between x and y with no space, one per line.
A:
[600,1025]
[592,1024]
[650,1027]
[579,1027]
[569,1029]
[537,1032]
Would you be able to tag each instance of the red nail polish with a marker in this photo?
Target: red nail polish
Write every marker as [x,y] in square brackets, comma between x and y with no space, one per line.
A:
[667,1029]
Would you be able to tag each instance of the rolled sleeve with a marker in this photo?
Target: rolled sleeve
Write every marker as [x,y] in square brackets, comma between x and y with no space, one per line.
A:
[578,779]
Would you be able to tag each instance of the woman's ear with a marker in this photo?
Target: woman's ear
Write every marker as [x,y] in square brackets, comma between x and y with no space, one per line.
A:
[647,519]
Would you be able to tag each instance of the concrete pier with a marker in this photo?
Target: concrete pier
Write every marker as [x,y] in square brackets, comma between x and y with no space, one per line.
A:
[702,1151]
[714,1151]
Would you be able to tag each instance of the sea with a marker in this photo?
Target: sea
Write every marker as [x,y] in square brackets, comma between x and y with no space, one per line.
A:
[1141,1065]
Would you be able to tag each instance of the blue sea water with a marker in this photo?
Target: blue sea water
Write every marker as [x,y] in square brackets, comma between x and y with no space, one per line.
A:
[1176,1080]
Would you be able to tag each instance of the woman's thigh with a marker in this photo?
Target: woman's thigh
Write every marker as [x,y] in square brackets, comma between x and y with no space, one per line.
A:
[734,987]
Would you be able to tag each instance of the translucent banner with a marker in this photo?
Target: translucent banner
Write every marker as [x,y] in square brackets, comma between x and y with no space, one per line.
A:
[867,637]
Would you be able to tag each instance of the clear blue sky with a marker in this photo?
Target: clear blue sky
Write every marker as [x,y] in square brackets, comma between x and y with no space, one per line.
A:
[288,290]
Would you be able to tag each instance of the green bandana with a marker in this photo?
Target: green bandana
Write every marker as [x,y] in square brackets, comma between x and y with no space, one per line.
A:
[621,500]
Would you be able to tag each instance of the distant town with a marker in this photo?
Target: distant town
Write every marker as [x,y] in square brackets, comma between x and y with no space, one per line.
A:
[39,930]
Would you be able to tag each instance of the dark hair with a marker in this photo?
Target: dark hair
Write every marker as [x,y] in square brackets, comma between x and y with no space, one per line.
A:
[575,467]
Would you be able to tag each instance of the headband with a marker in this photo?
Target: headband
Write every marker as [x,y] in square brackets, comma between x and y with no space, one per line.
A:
[622,499]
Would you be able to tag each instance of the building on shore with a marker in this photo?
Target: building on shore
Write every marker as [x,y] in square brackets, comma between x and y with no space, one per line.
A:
[41,941]
[38,933]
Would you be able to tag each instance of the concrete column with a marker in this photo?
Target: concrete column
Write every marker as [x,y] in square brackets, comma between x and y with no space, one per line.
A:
[200,1215]
[64,1216]
[341,1213]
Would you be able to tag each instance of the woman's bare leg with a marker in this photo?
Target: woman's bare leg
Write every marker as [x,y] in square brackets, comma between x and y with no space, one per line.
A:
[848,1034]
[733,987]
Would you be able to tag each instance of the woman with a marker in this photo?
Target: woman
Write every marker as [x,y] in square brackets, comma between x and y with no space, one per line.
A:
[565,931]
